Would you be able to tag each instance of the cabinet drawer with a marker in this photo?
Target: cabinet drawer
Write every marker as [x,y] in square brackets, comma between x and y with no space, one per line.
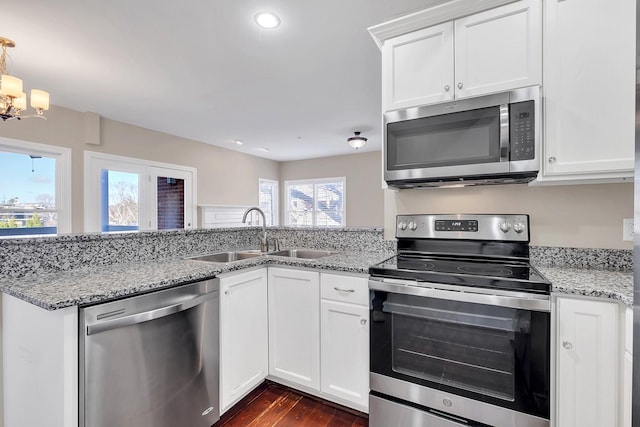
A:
[344,288]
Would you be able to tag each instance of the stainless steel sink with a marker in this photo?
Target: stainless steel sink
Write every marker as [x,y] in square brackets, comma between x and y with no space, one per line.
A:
[228,256]
[303,253]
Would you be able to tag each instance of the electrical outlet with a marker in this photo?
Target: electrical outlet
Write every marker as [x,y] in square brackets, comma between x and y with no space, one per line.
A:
[627,229]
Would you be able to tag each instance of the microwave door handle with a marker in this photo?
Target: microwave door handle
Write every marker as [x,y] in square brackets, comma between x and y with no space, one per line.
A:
[504,132]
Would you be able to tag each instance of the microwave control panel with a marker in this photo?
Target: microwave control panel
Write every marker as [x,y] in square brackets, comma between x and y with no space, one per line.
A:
[522,131]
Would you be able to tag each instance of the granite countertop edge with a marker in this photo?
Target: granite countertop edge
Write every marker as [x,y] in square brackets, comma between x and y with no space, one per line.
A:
[93,285]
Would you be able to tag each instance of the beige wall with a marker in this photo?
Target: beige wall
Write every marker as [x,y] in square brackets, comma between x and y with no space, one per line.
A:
[364,201]
[224,176]
[581,216]
[570,215]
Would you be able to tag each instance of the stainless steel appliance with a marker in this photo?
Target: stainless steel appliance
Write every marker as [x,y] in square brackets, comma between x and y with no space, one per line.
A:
[460,326]
[485,140]
[151,360]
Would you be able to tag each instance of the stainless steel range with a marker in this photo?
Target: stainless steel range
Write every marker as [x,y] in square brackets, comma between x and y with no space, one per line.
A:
[460,326]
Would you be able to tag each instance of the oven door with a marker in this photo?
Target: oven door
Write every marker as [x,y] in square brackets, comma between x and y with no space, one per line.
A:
[484,357]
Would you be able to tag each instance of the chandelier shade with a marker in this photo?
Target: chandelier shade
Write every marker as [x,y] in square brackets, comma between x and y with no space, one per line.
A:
[13,101]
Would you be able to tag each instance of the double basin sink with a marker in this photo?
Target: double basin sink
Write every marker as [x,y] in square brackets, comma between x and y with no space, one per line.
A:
[232,256]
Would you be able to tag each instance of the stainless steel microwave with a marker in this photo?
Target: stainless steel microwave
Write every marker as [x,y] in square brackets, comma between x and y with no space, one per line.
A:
[492,139]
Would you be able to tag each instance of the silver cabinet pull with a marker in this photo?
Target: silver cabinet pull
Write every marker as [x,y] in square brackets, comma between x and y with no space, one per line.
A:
[344,290]
[552,159]
[567,345]
[363,322]
[446,88]
[460,85]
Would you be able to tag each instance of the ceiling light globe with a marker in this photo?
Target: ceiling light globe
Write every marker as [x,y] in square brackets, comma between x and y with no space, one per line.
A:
[267,20]
[357,141]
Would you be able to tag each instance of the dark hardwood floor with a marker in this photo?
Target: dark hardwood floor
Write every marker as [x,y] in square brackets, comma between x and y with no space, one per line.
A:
[275,405]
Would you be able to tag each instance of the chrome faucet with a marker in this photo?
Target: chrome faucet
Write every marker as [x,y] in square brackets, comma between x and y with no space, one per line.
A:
[264,247]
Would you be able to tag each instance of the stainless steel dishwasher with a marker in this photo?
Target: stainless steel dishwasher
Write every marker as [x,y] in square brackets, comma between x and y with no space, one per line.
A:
[151,360]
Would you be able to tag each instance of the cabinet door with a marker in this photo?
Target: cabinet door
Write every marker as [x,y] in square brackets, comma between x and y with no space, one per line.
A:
[294,326]
[417,68]
[345,352]
[498,50]
[587,363]
[243,335]
[589,89]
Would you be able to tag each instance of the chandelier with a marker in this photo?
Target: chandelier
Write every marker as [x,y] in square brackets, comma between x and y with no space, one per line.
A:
[13,101]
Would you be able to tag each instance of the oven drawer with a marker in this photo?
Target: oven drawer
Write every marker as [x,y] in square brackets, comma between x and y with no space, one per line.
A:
[341,288]
[385,413]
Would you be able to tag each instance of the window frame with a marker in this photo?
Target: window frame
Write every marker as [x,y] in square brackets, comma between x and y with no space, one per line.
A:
[315,182]
[94,162]
[276,199]
[63,192]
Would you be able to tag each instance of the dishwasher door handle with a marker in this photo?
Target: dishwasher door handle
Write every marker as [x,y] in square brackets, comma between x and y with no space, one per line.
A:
[146,316]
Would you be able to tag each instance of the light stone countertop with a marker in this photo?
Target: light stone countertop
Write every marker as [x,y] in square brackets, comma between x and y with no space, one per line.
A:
[91,285]
[616,285]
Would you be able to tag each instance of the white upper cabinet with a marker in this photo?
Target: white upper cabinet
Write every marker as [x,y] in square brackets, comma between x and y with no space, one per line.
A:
[499,50]
[492,51]
[589,90]
[418,68]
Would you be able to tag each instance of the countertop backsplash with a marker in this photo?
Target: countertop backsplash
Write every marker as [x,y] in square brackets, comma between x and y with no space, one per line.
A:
[27,257]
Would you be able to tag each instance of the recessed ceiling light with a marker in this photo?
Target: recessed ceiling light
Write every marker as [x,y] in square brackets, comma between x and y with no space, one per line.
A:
[238,141]
[266,150]
[267,20]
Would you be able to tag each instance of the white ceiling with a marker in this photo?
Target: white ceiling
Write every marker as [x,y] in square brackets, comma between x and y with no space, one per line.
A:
[203,70]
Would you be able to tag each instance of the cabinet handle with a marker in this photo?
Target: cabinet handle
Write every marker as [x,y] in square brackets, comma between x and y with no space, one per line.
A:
[344,290]
[460,85]
[227,292]
[446,88]
[567,345]
[363,322]
[552,159]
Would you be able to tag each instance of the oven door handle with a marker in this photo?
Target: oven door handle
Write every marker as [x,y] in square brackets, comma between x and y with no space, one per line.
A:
[523,301]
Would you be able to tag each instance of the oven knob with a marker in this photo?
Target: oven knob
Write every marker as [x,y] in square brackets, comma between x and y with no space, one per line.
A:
[413,226]
[402,225]
[505,226]
[518,227]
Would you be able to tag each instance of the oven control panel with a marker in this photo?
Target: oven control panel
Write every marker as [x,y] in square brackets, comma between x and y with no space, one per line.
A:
[464,226]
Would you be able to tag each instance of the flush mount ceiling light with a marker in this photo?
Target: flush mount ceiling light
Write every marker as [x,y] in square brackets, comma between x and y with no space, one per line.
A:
[13,101]
[267,20]
[264,150]
[238,141]
[357,141]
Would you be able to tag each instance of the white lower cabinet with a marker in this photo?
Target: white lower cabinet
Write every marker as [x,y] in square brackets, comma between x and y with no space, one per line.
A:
[294,327]
[244,357]
[345,340]
[589,354]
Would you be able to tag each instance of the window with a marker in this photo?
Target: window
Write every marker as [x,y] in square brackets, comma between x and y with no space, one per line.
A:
[315,203]
[125,194]
[35,189]
[268,200]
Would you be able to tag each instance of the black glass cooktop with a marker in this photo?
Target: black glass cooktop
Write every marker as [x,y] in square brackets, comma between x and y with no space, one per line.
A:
[465,271]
